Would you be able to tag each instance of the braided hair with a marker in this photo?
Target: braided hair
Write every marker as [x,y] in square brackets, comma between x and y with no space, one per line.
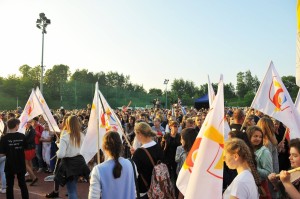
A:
[113,144]
[238,146]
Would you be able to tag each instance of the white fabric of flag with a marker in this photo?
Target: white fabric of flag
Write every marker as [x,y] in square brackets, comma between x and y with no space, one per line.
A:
[31,110]
[90,144]
[111,120]
[1,127]
[211,92]
[297,102]
[47,115]
[203,167]
[273,99]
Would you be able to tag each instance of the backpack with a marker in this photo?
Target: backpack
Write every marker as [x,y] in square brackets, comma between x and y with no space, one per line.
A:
[161,186]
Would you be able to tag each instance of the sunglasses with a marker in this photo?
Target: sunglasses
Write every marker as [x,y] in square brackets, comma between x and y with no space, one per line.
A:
[175,126]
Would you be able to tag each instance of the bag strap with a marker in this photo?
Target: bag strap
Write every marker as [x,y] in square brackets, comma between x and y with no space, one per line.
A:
[135,180]
[149,156]
[151,160]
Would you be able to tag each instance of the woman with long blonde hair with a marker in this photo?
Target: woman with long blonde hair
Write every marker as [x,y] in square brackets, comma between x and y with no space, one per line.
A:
[69,151]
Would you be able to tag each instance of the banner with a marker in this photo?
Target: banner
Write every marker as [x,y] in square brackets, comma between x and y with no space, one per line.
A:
[31,110]
[273,99]
[204,163]
[47,115]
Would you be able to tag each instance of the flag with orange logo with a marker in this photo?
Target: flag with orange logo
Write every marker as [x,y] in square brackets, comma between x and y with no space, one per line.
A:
[95,131]
[31,110]
[273,99]
[202,171]
[47,115]
[109,119]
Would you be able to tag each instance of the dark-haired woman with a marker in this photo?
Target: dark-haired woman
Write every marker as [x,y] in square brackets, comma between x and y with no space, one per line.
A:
[288,188]
[129,131]
[115,173]
[188,136]
[144,135]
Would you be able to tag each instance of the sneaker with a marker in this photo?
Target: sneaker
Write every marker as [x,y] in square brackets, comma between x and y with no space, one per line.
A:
[39,170]
[49,178]
[53,194]
[27,174]
[3,190]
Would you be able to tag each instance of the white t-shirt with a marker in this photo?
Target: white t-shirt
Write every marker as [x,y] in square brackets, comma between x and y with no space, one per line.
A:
[243,186]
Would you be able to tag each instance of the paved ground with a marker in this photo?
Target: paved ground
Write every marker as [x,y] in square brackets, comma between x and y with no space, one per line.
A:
[39,190]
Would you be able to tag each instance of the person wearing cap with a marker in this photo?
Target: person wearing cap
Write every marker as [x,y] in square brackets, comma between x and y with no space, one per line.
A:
[169,143]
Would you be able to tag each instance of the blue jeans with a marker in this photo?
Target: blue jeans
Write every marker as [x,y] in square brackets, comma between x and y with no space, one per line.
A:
[2,174]
[38,153]
[72,189]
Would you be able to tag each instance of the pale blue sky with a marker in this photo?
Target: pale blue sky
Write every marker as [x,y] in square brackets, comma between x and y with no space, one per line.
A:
[152,40]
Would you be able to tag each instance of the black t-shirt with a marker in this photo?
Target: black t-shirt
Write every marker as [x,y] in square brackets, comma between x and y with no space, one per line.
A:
[237,127]
[12,145]
[144,165]
[171,146]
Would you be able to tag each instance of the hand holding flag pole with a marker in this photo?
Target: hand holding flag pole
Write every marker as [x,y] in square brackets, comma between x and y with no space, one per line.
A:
[247,115]
[290,171]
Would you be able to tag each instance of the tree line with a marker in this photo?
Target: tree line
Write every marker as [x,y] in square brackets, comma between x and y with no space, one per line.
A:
[75,90]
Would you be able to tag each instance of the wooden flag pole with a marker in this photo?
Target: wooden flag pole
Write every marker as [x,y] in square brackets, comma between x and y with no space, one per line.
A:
[290,171]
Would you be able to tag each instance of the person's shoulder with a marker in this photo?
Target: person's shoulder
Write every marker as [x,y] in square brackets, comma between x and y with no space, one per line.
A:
[19,134]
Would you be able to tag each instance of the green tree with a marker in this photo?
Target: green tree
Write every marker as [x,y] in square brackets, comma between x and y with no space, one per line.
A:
[229,91]
[55,79]
[181,87]
[241,86]
[290,84]
[155,92]
[101,78]
[115,79]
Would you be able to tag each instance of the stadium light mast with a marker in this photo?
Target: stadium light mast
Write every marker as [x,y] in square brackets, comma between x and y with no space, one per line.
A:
[42,23]
[166,83]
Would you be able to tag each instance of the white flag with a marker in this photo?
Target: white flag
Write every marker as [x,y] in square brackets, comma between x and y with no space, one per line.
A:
[112,122]
[297,102]
[95,131]
[31,110]
[211,92]
[273,99]
[2,126]
[47,115]
[202,171]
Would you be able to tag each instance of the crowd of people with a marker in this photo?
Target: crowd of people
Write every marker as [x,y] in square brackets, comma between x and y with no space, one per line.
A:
[257,149]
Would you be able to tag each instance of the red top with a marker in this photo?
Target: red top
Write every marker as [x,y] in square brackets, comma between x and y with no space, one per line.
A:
[38,133]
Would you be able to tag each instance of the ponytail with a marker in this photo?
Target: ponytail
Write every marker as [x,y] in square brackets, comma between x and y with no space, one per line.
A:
[112,143]
[117,169]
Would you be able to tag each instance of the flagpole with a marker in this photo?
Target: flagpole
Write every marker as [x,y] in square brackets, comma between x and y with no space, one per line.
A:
[98,133]
[247,115]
